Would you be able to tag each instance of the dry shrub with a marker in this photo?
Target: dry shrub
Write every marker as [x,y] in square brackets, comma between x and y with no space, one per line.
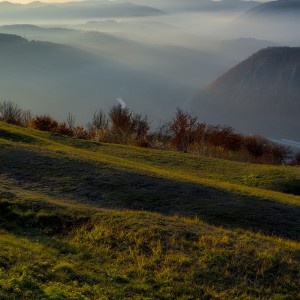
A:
[184,129]
[256,145]
[63,128]
[187,134]
[44,123]
[142,142]
[139,125]
[266,151]
[10,113]
[120,118]
[80,133]
[223,136]
[121,126]
[99,120]
[161,138]
[296,160]
[26,118]
[101,134]
[184,133]
[47,123]
[70,121]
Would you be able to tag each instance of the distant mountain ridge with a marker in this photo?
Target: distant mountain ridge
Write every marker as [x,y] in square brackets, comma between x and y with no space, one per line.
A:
[199,5]
[70,10]
[276,7]
[51,77]
[259,95]
[275,20]
[124,7]
[11,38]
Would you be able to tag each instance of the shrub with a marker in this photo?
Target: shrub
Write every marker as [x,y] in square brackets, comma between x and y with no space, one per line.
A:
[265,151]
[70,121]
[257,145]
[223,136]
[120,118]
[139,125]
[80,133]
[126,127]
[101,135]
[98,128]
[44,123]
[26,118]
[10,112]
[63,128]
[279,153]
[161,138]
[99,120]
[183,129]
[296,160]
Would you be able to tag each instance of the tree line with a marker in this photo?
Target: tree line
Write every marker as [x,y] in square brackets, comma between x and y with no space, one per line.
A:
[183,133]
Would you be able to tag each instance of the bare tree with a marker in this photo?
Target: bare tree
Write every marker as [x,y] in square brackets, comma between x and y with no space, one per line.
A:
[71,121]
[120,118]
[10,112]
[139,125]
[99,120]
[26,118]
[183,128]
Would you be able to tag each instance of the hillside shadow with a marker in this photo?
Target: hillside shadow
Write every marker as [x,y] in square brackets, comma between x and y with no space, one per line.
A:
[291,187]
[15,217]
[101,186]
[16,137]
[22,220]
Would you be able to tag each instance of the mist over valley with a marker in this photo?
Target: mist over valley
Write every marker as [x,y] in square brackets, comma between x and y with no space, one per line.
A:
[155,55]
[150,149]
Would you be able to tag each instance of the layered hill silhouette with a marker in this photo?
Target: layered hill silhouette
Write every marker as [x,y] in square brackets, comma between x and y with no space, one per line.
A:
[276,20]
[101,68]
[50,77]
[279,7]
[71,10]
[259,95]
[240,48]
[196,5]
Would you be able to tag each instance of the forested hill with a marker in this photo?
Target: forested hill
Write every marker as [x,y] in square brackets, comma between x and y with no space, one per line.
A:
[259,95]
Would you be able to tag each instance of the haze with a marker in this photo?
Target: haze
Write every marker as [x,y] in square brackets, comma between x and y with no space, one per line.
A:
[64,1]
[153,54]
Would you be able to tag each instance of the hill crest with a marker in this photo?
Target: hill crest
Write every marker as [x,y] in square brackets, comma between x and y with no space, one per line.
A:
[259,95]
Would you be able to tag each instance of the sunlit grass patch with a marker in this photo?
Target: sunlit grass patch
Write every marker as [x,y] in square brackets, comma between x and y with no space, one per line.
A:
[57,241]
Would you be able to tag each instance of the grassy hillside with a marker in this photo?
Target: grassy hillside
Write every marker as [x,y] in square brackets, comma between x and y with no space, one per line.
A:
[84,220]
[267,81]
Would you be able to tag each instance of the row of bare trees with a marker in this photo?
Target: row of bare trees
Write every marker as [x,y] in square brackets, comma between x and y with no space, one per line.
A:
[184,133]
[188,134]
[13,114]
[120,125]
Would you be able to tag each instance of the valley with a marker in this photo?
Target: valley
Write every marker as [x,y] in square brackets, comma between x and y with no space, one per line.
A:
[149,149]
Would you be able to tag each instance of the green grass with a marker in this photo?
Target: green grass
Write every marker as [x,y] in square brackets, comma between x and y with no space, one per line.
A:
[83,220]
[243,177]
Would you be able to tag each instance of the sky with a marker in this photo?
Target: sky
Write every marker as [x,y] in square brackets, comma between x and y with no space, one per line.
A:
[61,1]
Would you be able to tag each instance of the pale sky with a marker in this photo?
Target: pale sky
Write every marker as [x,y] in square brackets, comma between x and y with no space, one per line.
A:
[61,1]
[46,1]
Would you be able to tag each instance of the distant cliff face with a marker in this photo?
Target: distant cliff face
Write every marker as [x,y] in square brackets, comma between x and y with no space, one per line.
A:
[259,95]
